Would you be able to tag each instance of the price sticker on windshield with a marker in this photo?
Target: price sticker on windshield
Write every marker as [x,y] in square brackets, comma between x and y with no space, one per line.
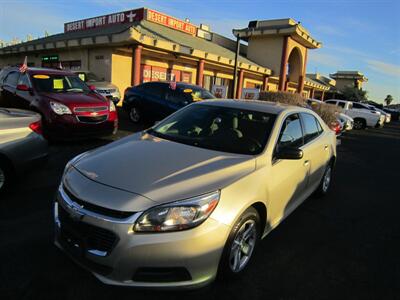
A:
[82,76]
[58,84]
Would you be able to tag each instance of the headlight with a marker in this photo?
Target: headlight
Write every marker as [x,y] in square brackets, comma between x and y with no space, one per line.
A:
[178,215]
[112,106]
[60,109]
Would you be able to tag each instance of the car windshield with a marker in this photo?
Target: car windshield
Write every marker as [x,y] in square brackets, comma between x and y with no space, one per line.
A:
[218,128]
[196,93]
[55,83]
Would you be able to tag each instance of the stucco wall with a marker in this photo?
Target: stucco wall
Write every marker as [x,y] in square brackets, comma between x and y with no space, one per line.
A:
[121,70]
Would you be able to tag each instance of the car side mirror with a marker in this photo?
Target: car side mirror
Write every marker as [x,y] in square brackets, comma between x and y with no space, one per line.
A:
[289,153]
[23,87]
[92,88]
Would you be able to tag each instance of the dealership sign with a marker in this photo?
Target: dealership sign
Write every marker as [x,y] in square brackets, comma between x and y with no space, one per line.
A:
[128,16]
[159,18]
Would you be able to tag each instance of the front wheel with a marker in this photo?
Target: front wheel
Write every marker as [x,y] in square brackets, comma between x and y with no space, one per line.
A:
[241,244]
[5,176]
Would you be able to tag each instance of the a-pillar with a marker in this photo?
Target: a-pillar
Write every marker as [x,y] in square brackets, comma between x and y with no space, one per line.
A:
[284,60]
[137,58]
[265,83]
[200,72]
[240,84]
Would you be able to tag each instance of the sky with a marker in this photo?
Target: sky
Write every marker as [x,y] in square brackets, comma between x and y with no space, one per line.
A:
[361,35]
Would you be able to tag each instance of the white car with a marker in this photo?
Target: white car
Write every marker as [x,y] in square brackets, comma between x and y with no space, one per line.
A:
[362,115]
[387,115]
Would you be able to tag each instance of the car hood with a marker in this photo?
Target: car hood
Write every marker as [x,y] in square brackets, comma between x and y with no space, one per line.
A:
[162,170]
[74,99]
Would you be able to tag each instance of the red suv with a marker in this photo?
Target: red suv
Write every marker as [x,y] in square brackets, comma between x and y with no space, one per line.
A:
[69,108]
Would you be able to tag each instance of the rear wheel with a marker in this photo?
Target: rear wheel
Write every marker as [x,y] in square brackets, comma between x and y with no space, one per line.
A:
[135,115]
[241,244]
[359,123]
[325,183]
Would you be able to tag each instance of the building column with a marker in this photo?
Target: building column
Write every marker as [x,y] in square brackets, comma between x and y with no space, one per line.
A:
[265,83]
[322,95]
[137,58]
[200,72]
[312,93]
[282,75]
[240,84]
[300,85]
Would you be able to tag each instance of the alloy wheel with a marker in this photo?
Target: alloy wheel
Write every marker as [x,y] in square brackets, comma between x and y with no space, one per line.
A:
[243,246]
[358,124]
[327,179]
[2,178]
[134,114]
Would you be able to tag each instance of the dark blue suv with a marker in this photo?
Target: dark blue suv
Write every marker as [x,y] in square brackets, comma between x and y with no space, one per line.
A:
[152,101]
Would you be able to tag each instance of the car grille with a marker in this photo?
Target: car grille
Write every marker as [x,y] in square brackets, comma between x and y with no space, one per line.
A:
[92,120]
[99,209]
[89,236]
[104,91]
[90,109]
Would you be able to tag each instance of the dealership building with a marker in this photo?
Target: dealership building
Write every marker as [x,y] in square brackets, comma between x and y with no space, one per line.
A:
[140,45]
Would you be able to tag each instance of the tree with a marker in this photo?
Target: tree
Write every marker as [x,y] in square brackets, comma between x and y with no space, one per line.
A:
[354,94]
[388,99]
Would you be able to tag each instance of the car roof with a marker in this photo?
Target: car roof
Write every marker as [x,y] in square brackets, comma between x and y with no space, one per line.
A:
[179,84]
[255,105]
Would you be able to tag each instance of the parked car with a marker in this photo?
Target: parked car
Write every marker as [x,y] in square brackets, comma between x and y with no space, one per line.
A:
[342,123]
[361,115]
[154,101]
[69,109]
[21,143]
[188,198]
[104,88]
[394,114]
[385,114]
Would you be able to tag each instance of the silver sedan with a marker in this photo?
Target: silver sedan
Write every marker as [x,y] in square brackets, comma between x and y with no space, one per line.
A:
[21,143]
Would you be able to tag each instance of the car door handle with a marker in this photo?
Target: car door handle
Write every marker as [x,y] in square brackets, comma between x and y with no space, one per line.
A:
[326,147]
[306,162]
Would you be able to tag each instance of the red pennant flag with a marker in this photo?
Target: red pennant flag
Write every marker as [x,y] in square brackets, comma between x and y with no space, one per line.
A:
[24,66]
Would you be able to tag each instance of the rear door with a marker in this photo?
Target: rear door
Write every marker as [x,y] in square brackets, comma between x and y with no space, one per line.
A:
[316,149]
[10,88]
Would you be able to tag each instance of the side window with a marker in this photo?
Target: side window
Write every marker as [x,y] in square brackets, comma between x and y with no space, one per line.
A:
[359,106]
[23,79]
[311,130]
[291,134]
[12,79]
[177,97]
[341,104]
[156,89]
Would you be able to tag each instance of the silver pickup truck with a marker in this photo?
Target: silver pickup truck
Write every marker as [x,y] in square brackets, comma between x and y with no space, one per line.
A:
[21,143]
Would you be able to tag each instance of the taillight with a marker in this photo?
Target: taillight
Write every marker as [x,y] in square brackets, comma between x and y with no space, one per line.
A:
[36,127]
[335,126]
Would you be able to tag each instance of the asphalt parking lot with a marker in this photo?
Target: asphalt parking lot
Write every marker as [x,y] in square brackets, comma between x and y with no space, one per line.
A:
[346,245]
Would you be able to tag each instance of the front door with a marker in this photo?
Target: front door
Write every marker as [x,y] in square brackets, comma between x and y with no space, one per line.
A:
[288,178]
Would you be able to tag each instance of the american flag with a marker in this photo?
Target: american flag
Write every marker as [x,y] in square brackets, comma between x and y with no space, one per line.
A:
[172,85]
[60,65]
[24,66]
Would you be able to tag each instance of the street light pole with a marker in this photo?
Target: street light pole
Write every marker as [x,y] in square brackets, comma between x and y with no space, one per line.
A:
[235,69]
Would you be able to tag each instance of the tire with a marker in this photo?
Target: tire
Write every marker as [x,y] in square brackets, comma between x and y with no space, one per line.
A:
[237,252]
[359,124]
[135,114]
[5,175]
[323,187]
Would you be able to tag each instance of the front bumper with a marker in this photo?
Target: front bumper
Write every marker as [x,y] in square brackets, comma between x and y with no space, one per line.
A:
[145,259]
